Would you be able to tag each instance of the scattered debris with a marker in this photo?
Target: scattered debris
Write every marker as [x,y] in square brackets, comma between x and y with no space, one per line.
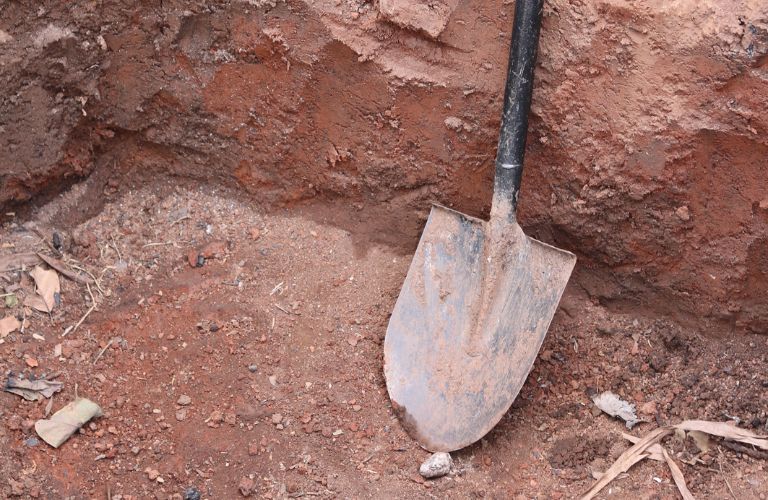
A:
[614,406]
[9,324]
[65,270]
[437,465]
[32,390]
[65,422]
[649,447]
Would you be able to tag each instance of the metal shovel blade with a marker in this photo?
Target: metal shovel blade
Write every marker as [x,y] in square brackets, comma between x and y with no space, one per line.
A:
[467,326]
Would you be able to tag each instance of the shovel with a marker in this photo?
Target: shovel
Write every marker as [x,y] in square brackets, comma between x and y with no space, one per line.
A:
[479,296]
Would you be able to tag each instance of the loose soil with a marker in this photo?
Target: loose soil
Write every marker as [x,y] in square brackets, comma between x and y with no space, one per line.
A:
[275,342]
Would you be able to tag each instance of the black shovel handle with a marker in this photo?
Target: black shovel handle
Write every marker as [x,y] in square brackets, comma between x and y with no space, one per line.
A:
[517,100]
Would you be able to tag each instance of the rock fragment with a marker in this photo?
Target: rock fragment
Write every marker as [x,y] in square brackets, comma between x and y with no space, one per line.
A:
[437,465]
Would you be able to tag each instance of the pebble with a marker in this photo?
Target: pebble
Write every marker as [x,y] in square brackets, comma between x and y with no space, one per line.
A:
[437,465]
[246,486]
[181,414]
[277,418]
[191,493]
[184,400]
[253,368]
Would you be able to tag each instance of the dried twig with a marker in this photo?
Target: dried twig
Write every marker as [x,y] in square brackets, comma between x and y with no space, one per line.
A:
[157,244]
[89,311]
[101,353]
[677,475]
[185,217]
[745,450]
[95,281]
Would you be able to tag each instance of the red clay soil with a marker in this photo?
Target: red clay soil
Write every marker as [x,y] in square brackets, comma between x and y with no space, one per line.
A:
[259,372]
[646,151]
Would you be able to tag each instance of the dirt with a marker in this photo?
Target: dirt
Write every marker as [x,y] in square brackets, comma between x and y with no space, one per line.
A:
[261,370]
[645,153]
[247,181]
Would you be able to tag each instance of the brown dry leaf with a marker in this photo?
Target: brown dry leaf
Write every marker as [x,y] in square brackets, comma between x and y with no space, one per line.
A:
[677,475]
[646,448]
[48,286]
[637,452]
[725,430]
[36,302]
[654,451]
[66,421]
[8,324]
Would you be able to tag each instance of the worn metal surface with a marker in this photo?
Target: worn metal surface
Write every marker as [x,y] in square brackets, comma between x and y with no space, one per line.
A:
[470,319]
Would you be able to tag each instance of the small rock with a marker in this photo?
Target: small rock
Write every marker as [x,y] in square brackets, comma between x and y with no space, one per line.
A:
[192,493]
[135,450]
[253,368]
[245,486]
[255,233]
[438,465]
[152,474]
[213,249]
[31,362]
[683,213]
[192,258]
[648,408]
[277,418]
[17,487]
[181,414]
[184,400]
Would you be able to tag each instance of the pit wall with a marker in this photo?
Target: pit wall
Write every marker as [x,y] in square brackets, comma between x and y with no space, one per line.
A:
[647,151]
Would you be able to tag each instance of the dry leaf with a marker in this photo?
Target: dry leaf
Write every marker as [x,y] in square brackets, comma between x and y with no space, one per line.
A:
[726,431]
[627,459]
[48,286]
[66,421]
[614,406]
[8,324]
[32,390]
[654,451]
[677,475]
[36,302]
[646,447]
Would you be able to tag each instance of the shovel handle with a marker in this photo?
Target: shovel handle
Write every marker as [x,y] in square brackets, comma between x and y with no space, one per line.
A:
[517,101]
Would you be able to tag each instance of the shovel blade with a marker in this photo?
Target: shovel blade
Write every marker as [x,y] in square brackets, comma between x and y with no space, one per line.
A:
[466,330]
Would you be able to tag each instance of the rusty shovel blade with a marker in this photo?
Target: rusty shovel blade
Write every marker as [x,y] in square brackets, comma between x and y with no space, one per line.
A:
[467,326]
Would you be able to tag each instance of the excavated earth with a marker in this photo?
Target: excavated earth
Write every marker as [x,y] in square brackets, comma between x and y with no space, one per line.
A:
[306,140]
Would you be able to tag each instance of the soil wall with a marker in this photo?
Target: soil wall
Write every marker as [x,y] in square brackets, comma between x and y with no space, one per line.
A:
[647,147]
